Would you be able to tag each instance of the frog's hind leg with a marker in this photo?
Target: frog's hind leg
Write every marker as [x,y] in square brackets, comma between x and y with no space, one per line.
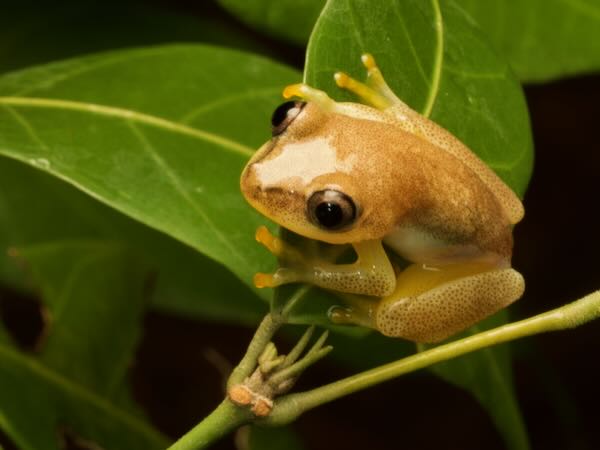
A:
[429,306]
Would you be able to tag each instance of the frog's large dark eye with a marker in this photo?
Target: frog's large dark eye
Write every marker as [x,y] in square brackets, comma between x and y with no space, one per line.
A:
[331,210]
[284,115]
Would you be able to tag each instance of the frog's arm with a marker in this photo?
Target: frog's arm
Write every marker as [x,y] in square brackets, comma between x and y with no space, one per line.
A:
[371,274]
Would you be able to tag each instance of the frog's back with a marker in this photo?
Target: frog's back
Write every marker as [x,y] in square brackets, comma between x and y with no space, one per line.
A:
[440,137]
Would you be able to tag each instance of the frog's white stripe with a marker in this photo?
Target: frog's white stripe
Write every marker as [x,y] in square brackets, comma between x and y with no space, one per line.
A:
[301,160]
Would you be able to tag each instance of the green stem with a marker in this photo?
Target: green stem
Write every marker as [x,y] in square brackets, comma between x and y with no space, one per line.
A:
[264,333]
[224,419]
[288,408]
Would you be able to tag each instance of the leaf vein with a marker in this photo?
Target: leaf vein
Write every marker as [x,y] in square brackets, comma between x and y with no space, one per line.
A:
[130,115]
[183,193]
[207,107]
[438,60]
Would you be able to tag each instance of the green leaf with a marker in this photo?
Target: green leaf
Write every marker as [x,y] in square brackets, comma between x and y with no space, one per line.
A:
[436,60]
[291,20]
[187,283]
[161,134]
[77,383]
[542,39]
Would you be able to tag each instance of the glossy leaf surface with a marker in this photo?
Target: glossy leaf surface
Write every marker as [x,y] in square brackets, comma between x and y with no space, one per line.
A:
[542,39]
[187,282]
[166,148]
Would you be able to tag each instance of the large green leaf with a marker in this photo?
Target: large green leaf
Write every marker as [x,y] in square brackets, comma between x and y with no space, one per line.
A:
[160,134]
[187,283]
[542,39]
[76,384]
[436,60]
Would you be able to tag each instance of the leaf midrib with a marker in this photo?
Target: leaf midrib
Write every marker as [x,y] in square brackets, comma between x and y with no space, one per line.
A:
[82,394]
[131,115]
[437,59]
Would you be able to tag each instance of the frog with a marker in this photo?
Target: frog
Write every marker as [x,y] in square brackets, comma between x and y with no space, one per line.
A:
[390,183]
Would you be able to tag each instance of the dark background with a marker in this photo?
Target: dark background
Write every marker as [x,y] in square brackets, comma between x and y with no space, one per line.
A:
[557,248]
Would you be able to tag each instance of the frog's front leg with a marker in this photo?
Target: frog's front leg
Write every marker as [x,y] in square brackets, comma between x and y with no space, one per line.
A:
[371,274]
[431,305]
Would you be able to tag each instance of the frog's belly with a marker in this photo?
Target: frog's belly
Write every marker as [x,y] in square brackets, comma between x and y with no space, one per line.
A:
[421,247]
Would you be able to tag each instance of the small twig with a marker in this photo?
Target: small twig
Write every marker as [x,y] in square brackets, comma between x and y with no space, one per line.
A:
[288,408]
[295,353]
[296,369]
[263,335]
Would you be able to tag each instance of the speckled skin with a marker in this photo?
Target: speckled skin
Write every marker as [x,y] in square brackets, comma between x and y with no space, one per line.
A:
[396,179]
[416,188]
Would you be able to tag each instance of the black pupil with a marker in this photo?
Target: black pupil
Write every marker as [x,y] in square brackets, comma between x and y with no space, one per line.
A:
[329,214]
[280,114]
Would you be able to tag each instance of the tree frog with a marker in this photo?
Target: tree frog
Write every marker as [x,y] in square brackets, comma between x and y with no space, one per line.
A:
[386,180]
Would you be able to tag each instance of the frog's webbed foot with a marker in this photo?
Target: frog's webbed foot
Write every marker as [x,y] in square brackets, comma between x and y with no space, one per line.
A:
[371,273]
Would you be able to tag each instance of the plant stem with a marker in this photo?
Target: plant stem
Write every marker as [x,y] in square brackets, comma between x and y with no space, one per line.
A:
[288,408]
[224,419]
[264,333]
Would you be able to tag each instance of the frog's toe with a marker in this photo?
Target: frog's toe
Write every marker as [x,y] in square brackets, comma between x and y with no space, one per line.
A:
[305,92]
[368,61]
[449,308]
[280,248]
[350,315]
[266,238]
[263,280]
[340,315]
[365,92]
[281,276]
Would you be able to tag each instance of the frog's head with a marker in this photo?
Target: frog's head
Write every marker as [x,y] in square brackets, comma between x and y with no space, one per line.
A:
[306,179]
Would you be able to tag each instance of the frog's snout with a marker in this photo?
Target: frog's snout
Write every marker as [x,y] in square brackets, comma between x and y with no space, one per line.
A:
[249,186]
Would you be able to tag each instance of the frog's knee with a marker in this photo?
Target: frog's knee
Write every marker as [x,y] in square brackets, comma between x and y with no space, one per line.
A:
[449,308]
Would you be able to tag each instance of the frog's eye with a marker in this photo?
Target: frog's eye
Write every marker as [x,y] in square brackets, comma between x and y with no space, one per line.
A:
[284,115]
[331,210]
